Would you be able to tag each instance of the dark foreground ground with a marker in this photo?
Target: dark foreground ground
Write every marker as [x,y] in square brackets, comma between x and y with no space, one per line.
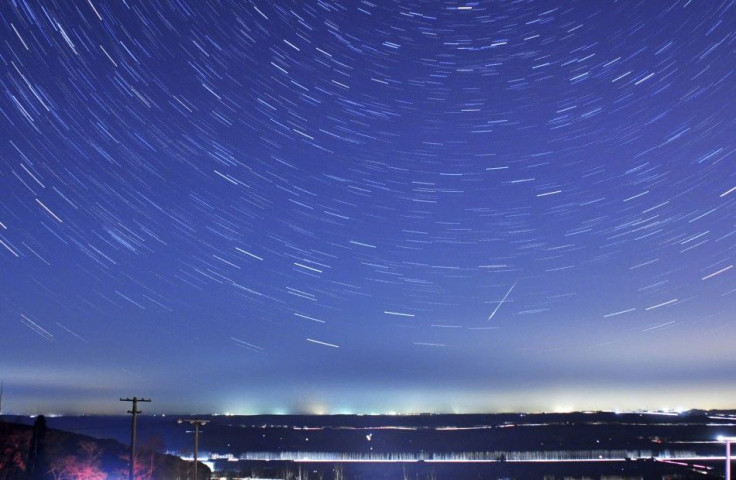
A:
[644,470]
[644,445]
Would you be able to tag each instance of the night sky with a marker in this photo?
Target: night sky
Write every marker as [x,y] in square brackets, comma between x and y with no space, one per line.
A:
[353,206]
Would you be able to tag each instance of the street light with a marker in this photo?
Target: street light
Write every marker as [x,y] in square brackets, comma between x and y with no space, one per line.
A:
[196,424]
[728,441]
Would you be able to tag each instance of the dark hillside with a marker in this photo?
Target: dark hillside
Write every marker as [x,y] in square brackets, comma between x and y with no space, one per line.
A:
[38,453]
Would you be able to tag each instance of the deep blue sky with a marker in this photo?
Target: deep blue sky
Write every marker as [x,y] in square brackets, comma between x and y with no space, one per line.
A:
[349,206]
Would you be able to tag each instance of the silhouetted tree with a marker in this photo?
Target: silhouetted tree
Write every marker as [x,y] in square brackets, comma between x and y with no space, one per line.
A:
[13,453]
[84,466]
[37,467]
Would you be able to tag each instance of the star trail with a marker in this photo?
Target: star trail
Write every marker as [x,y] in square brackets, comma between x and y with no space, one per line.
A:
[354,206]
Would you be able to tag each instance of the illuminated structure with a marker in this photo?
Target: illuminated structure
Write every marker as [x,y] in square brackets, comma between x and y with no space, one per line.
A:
[728,441]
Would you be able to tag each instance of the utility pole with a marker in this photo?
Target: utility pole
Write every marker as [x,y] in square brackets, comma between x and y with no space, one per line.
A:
[196,423]
[134,411]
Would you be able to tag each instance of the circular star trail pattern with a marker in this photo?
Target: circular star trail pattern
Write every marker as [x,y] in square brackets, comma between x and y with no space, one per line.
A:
[354,206]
